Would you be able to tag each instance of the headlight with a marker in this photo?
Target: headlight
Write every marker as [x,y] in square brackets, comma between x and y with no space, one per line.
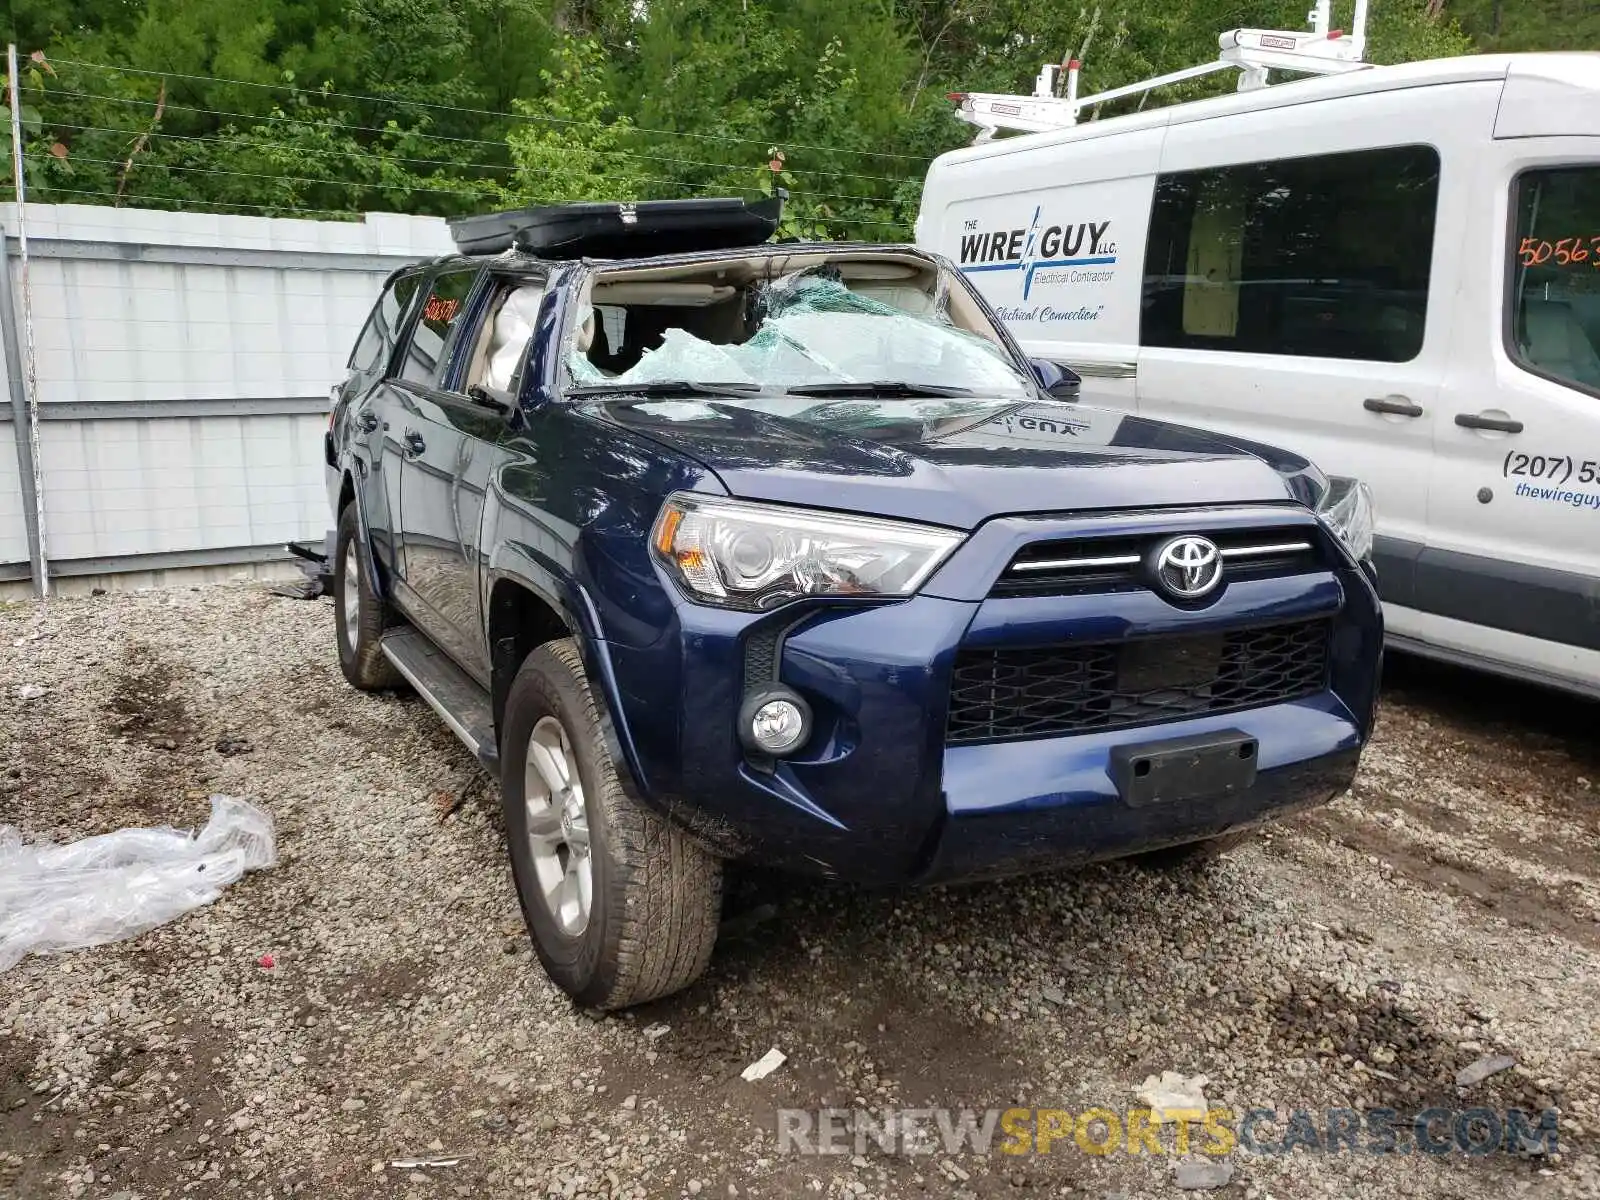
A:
[735,554]
[1347,509]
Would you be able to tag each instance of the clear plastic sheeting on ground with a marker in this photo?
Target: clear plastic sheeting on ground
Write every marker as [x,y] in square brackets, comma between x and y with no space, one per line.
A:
[103,889]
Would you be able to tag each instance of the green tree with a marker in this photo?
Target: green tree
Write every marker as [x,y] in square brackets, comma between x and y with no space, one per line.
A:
[447,106]
[574,145]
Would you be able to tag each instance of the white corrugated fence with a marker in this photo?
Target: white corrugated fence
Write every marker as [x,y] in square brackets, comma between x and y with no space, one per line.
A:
[184,362]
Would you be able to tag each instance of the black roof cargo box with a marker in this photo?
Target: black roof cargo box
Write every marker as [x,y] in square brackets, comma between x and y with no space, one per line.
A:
[621,230]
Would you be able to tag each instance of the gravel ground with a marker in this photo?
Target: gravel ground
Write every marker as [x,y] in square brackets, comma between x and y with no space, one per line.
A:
[1359,956]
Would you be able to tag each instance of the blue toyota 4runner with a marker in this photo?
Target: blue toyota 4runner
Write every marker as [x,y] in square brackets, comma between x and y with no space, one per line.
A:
[713,549]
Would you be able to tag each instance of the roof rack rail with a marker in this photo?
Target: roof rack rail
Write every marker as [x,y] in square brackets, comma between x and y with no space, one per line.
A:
[622,230]
[1252,52]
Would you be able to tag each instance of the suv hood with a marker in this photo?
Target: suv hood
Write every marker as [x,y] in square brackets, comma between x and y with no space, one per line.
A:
[959,462]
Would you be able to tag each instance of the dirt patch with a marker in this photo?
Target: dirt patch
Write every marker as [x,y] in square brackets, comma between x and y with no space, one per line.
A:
[1522,902]
[146,703]
[404,1009]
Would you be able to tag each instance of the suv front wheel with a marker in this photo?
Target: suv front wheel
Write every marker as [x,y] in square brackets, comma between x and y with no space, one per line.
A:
[622,907]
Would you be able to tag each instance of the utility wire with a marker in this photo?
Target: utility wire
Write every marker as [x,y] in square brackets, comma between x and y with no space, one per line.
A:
[279,210]
[246,143]
[283,211]
[480,112]
[170,106]
[465,190]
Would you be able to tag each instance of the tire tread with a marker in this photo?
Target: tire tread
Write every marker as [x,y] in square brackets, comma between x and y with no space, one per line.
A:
[667,889]
[367,669]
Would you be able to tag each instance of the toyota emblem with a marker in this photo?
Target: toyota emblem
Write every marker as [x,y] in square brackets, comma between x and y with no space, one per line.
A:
[1188,568]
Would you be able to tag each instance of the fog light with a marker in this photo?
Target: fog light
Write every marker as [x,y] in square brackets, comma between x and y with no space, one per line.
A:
[774,721]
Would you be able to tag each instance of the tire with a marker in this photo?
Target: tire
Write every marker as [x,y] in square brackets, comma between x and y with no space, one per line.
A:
[359,625]
[1191,855]
[655,897]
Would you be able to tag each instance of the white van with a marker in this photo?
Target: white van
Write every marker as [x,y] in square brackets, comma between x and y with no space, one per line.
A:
[1394,271]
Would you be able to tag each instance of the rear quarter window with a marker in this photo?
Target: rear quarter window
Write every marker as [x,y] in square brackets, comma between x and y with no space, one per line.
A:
[376,341]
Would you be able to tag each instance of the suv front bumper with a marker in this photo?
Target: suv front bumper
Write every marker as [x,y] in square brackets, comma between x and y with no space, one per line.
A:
[879,795]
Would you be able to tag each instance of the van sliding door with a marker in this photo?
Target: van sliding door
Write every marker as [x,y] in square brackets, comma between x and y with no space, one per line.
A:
[1298,284]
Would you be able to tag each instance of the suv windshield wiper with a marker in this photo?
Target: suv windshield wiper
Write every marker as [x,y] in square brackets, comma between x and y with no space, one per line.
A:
[886,389]
[666,387]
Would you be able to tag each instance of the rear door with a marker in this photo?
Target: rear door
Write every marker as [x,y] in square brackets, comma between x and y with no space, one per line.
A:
[1299,280]
[1514,502]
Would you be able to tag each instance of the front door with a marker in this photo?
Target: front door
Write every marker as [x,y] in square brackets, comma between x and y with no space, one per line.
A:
[1304,300]
[454,428]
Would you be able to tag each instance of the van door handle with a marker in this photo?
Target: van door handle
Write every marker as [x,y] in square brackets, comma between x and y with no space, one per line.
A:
[1498,424]
[368,420]
[1397,405]
[414,443]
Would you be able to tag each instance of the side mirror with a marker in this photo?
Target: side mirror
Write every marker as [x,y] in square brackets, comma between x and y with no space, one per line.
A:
[1057,381]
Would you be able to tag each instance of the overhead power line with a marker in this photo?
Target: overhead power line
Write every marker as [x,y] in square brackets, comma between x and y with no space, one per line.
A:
[170,106]
[358,184]
[278,210]
[488,112]
[245,142]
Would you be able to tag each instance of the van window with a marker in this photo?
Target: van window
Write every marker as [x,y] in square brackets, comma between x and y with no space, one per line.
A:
[424,361]
[377,338]
[1553,324]
[1325,256]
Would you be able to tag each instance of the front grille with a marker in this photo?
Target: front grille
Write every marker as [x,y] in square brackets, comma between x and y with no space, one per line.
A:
[1011,694]
[1075,566]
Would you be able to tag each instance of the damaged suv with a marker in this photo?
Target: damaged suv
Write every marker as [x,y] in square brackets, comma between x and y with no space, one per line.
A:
[712,549]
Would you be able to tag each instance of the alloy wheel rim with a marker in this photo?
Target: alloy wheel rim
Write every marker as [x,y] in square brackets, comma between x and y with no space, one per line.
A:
[558,827]
[351,598]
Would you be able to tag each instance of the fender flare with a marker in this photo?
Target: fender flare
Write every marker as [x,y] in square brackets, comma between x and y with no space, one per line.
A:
[571,602]
[368,560]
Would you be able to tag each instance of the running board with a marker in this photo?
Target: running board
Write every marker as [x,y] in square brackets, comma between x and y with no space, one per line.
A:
[449,691]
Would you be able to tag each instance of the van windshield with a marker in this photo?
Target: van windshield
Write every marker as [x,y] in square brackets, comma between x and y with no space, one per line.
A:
[1555,272]
[816,330]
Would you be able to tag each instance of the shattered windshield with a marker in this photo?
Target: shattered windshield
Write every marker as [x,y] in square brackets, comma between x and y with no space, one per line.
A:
[809,331]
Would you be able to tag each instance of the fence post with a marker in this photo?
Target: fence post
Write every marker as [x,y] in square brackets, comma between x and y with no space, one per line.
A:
[21,376]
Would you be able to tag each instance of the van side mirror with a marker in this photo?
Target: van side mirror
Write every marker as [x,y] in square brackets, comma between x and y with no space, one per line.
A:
[1057,381]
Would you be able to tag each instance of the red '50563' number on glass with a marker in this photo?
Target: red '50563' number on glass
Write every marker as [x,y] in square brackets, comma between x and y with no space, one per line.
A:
[1575,251]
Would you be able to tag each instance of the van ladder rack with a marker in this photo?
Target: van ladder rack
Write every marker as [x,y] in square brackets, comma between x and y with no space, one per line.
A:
[1252,52]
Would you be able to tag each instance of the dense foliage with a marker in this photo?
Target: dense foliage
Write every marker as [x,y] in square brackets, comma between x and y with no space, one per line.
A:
[447,106]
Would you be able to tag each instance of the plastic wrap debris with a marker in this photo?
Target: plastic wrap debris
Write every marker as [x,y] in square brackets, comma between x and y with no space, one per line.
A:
[103,889]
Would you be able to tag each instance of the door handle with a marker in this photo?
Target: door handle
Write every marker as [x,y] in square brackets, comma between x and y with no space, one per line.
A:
[1397,405]
[368,420]
[1500,425]
[414,443]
